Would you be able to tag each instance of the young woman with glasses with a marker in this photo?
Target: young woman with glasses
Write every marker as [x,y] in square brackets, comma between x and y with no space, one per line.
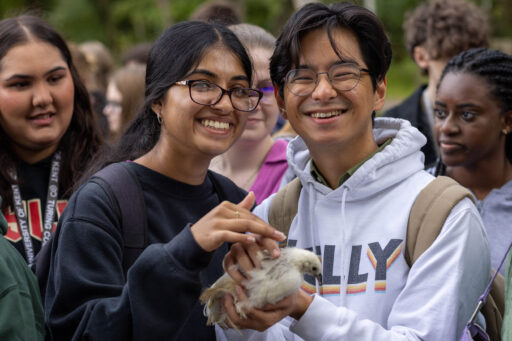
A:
[257,162]
[198,97]
[124,95]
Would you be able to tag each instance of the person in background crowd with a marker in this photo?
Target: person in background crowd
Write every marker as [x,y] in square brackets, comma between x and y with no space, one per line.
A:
[221,12]
[198,97]
[125,95]
[137,54]
[506,329]
[97,98]
[99,65]
[257,162]
[360,177]
[473,131]
[47,130]
[436,31]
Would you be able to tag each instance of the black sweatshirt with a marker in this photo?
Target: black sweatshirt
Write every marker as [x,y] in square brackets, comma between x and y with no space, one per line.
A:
[88,296]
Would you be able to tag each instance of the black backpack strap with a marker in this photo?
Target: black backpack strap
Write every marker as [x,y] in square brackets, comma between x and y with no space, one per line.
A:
[216,186]
[120,181]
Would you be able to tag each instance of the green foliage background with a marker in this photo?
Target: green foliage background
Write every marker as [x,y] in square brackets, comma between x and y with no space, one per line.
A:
[122,23]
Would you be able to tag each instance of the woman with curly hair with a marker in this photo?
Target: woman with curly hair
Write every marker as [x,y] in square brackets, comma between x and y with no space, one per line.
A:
[473,130]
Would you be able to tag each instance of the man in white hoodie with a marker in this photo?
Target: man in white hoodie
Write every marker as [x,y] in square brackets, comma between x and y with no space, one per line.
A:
[360,177]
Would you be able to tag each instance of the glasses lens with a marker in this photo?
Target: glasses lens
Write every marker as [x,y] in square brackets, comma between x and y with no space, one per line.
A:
[301,81]
[245,99]
[114,105]
[344,77]
[268,94]
[205,92]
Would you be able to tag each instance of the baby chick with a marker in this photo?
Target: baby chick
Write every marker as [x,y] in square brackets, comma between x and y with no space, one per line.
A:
[276,279]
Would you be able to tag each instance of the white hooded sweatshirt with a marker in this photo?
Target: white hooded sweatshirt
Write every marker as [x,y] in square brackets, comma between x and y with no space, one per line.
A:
[359,230]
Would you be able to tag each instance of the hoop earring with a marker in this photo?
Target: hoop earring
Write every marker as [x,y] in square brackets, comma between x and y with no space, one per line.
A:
[159,118]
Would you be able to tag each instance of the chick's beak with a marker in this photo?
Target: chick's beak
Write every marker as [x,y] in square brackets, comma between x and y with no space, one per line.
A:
[319,279]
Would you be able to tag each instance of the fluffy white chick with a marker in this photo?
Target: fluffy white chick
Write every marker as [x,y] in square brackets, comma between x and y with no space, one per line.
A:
[276,279]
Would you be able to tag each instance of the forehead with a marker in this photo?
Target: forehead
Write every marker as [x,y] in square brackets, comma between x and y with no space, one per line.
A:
[31,57]
[260,57]
[464,86]
[316,49]
[222,62]
[113,93]
[261,62]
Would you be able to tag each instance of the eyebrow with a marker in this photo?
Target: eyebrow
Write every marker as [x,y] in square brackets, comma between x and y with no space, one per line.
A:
[213,75]
[338,62]
[463,105]
[22,76]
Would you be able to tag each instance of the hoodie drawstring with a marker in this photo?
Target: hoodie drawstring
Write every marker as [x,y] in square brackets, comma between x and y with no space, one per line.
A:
[344,229]
[315,239]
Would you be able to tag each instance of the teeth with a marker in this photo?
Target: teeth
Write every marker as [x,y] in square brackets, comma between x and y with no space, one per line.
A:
[45,116]
[326,114]
[215,124]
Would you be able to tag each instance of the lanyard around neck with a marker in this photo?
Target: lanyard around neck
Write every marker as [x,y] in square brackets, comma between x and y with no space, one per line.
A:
[49,212]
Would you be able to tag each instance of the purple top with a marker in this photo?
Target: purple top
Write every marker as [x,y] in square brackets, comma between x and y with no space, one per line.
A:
[271,172]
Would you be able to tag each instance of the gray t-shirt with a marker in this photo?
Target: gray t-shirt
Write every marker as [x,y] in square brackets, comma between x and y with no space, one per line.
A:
[496,212]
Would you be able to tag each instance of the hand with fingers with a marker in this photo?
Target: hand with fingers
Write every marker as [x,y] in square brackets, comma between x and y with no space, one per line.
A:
[232,223]
[270,287]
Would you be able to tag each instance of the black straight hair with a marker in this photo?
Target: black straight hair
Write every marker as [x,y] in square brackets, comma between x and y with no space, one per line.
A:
[176,52]
[373,42]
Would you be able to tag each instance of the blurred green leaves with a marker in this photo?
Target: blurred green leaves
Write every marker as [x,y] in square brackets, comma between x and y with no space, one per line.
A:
[122,23]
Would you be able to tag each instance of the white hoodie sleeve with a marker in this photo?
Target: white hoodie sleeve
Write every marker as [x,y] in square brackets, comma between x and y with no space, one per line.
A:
[440,294]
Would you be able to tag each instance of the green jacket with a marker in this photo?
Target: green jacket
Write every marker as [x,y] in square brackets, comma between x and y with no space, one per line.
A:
[506,330]
[21,311]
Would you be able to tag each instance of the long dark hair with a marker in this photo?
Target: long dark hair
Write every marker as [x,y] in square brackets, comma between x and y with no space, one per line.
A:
[81,140]
[493,66]
[177,51]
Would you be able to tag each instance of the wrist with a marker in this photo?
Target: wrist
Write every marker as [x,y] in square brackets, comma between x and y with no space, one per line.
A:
[303,303]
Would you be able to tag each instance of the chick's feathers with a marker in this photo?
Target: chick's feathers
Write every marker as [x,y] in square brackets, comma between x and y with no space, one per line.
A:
[276,279]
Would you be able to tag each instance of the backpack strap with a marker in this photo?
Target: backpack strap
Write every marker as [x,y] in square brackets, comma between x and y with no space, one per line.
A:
[119,180]
[429,212]
[284,206]
[217,185]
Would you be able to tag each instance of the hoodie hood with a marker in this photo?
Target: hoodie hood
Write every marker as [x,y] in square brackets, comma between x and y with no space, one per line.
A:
[397,161]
